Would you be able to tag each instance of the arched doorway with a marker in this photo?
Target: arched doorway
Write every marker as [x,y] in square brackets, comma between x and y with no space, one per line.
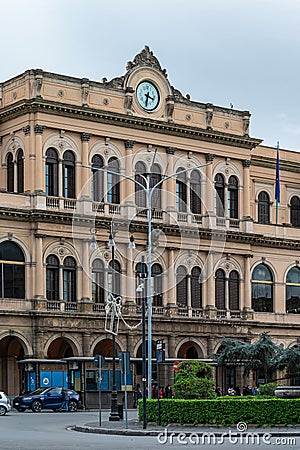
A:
[189,350]
[11,350]
[60,348]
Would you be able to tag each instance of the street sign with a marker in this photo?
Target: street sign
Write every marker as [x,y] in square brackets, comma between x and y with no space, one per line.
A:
[124,359]
[175,366]
[99,361]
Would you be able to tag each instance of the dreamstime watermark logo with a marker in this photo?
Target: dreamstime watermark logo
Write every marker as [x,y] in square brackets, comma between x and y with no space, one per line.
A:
[239,437]
[174,224]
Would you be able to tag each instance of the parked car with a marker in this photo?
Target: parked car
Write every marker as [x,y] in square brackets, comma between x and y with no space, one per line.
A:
[5,405]
[46,398]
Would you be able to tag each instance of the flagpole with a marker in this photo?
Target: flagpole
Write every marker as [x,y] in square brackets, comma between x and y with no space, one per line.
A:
[277,187]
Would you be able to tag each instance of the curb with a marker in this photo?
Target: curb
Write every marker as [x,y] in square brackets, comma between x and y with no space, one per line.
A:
[130,432]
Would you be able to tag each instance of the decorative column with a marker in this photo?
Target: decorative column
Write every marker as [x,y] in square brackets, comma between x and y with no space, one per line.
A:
[210,221]
[130,278]
[169,188]
[86,344]
[28,170]
[171,292]
[39,272]
[210,286]
[247,288]
[39,166]
[86,173]
[248,225]
[86,293]
[129,186]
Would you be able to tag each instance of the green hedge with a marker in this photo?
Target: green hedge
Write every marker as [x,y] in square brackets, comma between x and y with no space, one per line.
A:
[227,411]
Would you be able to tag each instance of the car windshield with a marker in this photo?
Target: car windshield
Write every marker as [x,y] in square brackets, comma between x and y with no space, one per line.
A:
[37,391]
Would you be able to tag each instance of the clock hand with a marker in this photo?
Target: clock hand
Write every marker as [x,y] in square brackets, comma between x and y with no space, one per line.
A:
[148,96]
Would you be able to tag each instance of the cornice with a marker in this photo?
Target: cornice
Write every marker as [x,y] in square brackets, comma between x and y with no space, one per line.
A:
[122,120]
[57,217]
[270,163]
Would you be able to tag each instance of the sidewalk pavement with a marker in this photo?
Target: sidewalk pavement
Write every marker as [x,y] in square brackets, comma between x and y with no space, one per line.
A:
[135,428]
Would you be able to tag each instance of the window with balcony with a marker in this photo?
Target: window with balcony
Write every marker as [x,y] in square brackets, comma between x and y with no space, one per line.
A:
[234,291]
[69,279]
[20,171]
[155,177]
[68,169]
[262,289]
[52,278]
[140,173]
[263,207]
[295,211]
[181,191]
[233,203]
[156,275]
[98,292]
[181,286]
[114,278]
[97,179]
[12,270]
[220,289]
[113,182]
[195,192]
[293,291]
[10,173]
[219,194]
[196,288]
[51,172]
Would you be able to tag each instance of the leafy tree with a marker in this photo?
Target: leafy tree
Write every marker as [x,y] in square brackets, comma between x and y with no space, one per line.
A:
[193,379]
[289,359]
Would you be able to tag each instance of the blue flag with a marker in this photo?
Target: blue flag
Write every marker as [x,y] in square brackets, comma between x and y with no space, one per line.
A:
[277,185]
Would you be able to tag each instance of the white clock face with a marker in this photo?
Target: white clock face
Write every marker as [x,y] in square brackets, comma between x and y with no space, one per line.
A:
[147,95]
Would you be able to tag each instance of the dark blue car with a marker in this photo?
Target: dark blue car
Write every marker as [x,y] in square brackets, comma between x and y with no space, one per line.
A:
[46,398]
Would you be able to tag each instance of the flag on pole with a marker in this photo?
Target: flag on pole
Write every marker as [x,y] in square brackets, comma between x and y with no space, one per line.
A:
[277,185]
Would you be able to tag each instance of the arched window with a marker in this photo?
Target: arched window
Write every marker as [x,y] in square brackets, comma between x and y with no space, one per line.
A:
[234,291]
[293,290]
[181,286]
[113,182]
[181,191]
[10,172]
[98,281]
[69,277]
[219,194]
[263,207]
[20,171]
[97,180]
[196,288]
[262,289]
[155,177]
[295,211]
[156,274]
[52,278]
[141,282]
[12,270]
[140,196]
[114,278]
[220,289]
[69,175]
[233,204]
[195,192]
[51,172]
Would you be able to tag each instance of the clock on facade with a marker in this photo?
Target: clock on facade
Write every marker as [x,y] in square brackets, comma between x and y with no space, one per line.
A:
[147,95]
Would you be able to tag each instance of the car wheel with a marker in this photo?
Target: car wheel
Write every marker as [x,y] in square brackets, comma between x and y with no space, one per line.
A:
[36,406]
[20,409]
[72,406]
[2,411]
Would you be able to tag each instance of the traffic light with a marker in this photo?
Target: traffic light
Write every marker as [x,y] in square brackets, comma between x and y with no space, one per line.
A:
[99,361]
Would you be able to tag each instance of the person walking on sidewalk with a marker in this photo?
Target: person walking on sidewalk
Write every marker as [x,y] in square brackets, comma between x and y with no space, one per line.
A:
[65,399]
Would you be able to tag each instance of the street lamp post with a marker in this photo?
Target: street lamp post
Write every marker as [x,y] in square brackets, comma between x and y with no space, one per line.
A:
[114,416]
[148,189]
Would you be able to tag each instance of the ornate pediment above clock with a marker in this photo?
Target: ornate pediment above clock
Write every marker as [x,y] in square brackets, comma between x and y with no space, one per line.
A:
[145,58]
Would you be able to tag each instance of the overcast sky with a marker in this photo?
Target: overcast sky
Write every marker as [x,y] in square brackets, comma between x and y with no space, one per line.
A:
[244,52]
